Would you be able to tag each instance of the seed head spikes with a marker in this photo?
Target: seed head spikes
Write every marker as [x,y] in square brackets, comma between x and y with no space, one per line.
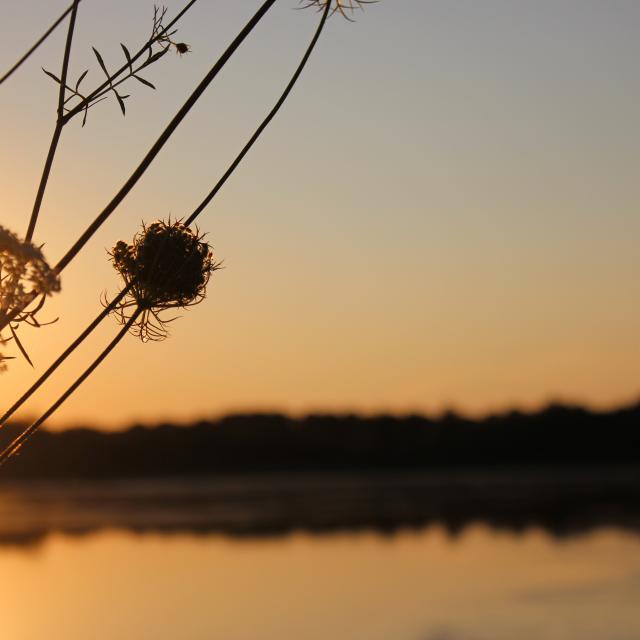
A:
[167,266]
[25,276]
[346,8]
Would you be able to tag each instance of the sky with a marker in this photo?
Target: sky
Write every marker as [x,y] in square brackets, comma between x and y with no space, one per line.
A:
[443,216]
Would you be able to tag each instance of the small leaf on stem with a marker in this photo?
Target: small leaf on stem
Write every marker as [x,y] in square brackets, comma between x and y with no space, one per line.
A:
[80,79]
[22,349]
[146,82]
[154,57]
[121,102]
[51,75]
[101,61]
[128,57]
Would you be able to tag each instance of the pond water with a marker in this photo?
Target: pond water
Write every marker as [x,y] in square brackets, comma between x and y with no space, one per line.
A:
[69,572]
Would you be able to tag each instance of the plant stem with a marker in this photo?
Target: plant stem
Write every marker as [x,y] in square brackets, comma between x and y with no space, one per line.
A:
[107,83]
[58,128]
[46,34]
[265,122]
[63,356]
[44,178]
[29,431]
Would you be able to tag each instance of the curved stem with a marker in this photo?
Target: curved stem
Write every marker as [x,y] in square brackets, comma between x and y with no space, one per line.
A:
[44,179]
[265,122]
[46,34]
[30,430]
[58,128]
[63,356]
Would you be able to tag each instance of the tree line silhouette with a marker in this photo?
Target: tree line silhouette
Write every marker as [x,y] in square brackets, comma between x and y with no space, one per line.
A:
[558,436]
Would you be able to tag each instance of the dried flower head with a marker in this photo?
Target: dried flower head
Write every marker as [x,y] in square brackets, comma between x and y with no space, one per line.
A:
[25,279]
[167,266]
[346,8]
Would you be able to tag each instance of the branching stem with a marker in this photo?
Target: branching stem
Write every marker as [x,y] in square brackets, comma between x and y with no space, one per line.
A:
[109,81]
[58,127]
[63,118]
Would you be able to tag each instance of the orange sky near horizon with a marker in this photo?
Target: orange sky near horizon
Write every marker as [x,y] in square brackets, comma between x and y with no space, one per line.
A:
[443,215]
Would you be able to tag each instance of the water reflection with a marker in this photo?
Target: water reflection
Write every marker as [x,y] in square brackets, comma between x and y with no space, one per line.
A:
[404,557]
[561,503]
[481,585]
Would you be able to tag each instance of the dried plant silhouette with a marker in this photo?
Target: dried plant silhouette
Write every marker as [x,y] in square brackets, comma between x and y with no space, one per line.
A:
[25,278]
[346,8]
[168,264]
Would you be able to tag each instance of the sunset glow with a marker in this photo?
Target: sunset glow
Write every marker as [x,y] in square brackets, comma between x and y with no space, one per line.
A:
[460,233]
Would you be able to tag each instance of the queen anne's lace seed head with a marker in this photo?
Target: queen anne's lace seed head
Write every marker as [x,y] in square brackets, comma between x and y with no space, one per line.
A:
[167,266]
[25,276]
[345,8]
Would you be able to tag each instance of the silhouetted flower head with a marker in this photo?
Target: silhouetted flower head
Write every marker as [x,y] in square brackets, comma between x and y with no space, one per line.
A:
[25,279]
[168,266]
[345,8]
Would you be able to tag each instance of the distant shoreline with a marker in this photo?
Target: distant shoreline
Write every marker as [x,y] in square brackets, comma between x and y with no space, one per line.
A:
[557,437]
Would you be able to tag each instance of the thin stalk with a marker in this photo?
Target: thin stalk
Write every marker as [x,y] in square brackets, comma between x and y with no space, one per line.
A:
[63,356]
[46,34]
[44,178]
[107,83]
[155,149]
[58,127]
[29,431]
[265,122]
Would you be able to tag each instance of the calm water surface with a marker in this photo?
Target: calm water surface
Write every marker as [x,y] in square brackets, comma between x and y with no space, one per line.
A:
[114,582]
